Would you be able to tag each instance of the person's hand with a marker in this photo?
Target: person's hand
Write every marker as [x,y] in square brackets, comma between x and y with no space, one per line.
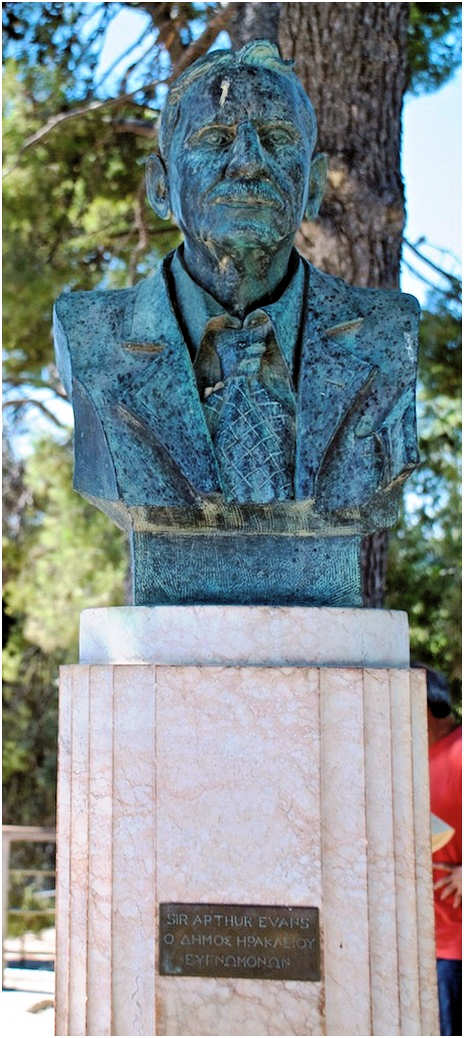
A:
[450,884]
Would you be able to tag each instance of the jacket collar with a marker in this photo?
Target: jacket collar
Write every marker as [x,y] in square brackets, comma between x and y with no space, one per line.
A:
[198,306]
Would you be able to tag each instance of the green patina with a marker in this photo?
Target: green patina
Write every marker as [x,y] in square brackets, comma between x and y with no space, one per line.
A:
[245,417]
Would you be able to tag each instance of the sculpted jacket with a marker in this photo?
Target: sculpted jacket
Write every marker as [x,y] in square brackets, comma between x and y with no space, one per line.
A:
[141,435]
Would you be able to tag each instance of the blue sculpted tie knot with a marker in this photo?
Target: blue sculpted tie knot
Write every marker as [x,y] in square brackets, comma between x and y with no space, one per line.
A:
[241,348]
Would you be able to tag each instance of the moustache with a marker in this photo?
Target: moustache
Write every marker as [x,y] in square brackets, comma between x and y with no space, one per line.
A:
[245,192]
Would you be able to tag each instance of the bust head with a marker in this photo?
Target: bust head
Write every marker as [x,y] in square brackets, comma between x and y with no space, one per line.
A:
[236,141]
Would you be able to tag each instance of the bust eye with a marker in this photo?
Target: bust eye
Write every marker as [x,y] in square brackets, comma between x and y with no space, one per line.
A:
[275,136]
[214,137]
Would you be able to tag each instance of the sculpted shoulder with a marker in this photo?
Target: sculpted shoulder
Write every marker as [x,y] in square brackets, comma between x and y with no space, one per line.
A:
[87,326]
[80,310]
[381,301]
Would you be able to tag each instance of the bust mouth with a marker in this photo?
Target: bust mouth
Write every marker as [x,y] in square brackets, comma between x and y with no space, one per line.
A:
[244,200]
[247,194]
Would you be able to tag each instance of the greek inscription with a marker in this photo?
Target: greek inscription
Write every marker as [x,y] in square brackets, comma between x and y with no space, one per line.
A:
[238,941]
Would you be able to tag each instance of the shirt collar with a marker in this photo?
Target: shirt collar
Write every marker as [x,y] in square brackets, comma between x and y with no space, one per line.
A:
[198,306]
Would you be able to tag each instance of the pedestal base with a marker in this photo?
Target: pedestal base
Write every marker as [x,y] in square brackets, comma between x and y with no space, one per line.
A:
[240,635]
[266,567]
[265,785]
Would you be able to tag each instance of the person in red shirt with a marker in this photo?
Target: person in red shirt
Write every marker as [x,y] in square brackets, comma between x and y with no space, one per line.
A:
[445,744]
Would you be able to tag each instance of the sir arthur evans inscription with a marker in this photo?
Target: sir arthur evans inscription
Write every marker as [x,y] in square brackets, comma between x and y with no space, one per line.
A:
[244,416]
[256,941]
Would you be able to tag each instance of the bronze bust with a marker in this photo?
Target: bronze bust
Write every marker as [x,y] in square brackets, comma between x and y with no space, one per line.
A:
[246,417]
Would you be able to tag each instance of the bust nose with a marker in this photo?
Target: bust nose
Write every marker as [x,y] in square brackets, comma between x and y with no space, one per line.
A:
[247,157]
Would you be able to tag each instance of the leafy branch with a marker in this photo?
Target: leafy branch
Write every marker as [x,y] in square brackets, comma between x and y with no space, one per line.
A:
[192,52]
[453,292]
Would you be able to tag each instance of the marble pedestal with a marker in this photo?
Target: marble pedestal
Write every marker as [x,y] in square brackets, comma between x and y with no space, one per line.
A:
[268,756]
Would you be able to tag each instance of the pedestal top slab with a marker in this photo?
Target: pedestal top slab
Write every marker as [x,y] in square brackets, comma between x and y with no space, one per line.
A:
[244,635]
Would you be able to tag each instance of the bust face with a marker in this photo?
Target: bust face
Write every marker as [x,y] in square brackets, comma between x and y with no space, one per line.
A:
[239,159]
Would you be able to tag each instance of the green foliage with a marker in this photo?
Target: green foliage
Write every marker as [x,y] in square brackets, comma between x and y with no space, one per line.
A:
[434,44]
[30,700]
[62,557]
[71,555]
[74,216]
[423,575]
[64,39]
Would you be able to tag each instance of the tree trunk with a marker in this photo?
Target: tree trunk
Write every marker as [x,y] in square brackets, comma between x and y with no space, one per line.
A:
[352,61]
[254,21]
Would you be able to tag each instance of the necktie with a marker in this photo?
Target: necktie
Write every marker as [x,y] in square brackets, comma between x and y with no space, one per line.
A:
[249,406]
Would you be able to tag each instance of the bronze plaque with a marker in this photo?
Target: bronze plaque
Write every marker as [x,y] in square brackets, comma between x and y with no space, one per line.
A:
[258,941]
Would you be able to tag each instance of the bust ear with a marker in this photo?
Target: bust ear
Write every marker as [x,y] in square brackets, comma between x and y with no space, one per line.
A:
[317,182]
[156,179]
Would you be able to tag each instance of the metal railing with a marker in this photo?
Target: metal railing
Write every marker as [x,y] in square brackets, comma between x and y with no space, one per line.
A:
[24,834]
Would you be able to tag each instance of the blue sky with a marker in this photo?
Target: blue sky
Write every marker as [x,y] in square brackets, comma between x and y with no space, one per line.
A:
[431,159]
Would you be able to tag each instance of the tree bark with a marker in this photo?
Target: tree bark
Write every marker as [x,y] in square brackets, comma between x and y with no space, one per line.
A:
[352,61]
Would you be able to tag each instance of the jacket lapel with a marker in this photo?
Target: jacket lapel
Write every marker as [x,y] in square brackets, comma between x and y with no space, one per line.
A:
[333,378]
[161,402]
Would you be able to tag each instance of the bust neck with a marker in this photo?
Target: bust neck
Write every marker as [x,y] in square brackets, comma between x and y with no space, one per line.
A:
[240,279]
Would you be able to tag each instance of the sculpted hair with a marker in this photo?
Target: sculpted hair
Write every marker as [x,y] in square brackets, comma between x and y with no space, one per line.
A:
[258,53]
